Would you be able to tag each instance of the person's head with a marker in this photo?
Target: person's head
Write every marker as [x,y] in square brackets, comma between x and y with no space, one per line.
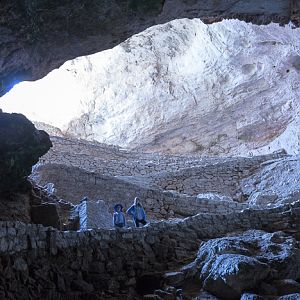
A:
[137,200]
[118,207]
[84,199]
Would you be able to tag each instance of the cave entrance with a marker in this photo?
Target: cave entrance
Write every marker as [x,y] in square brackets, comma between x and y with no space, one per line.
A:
[183,87]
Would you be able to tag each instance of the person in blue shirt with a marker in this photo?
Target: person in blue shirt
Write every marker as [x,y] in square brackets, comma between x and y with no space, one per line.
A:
[119,220]
[137,212]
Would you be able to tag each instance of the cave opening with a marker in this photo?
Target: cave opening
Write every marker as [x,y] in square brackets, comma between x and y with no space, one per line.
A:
[201,122]
[177,88]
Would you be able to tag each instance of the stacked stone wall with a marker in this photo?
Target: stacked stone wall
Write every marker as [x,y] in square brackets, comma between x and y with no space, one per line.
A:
[167,185]
[44,263]
[222,178]
[94,214]
[73,184]
[114,161]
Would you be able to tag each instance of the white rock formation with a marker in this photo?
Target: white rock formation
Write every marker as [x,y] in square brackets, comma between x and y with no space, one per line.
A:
[223,89]
[276,182]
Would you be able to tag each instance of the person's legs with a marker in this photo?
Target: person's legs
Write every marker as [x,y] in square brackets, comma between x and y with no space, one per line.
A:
[143,222]
[137,223]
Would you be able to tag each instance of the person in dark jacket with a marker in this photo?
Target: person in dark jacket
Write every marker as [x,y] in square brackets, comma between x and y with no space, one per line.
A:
[137,212]
[119,220]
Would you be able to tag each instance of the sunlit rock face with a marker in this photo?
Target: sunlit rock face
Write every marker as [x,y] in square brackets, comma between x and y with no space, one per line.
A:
[39,36]
[182,87]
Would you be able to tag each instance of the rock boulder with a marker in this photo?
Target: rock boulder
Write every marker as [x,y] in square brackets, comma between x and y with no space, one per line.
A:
[230,266]
[21,145]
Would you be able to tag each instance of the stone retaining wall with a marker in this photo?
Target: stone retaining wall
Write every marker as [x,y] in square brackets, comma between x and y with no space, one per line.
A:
[114,161]
[222,177]
[73,184]
[44,263]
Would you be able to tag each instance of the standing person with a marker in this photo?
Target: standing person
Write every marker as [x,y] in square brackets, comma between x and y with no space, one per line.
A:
[119,220]
[137,212]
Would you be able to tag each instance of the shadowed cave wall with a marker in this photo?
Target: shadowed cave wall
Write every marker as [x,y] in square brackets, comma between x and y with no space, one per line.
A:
[38,36]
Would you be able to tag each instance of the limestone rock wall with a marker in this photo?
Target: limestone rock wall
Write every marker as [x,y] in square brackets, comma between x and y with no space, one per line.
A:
[37,37]
[228,88]
[276,181]
[21,145]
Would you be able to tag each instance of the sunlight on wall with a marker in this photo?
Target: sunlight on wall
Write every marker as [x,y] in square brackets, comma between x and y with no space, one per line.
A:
[58,94]
[182,87]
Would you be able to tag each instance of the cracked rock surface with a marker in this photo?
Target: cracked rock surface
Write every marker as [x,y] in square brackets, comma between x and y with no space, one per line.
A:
[229,266]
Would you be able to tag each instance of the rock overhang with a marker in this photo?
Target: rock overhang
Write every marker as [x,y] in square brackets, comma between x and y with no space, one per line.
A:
[39,36]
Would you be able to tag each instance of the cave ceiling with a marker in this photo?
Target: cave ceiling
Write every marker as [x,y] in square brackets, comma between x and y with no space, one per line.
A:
[38,36]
